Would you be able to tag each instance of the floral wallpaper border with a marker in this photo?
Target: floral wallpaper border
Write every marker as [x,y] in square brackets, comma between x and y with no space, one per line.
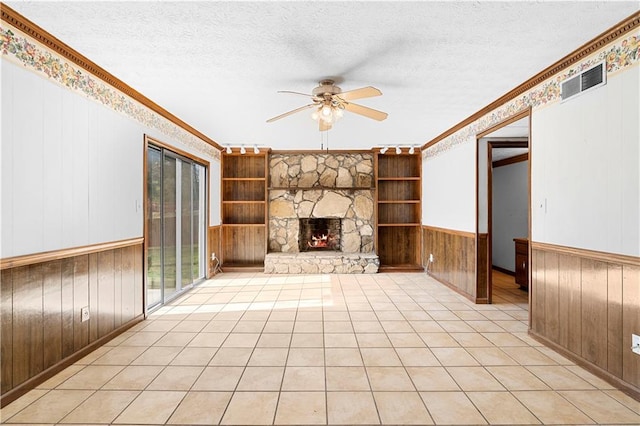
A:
[25,51]
[618,56]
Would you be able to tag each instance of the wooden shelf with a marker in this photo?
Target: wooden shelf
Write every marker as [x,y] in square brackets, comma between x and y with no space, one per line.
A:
[399,178]
[243,267]
[244,211]
[311,188]
[229,225]
[401,268]
[243,202]
[399,211]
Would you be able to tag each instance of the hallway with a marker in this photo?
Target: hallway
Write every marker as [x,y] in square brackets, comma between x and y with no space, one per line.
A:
[327,349]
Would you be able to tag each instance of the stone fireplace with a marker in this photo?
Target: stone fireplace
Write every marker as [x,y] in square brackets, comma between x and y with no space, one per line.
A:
[319,234]
[336,192]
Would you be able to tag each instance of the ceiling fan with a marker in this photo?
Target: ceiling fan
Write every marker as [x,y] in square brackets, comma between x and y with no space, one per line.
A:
[330,102]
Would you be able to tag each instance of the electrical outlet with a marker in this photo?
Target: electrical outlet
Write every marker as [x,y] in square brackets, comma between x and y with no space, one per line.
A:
[431,258]
[635,343]
[213,256]
[84,314]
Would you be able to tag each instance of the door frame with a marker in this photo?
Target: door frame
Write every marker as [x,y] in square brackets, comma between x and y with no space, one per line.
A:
[150,141]
[484,282]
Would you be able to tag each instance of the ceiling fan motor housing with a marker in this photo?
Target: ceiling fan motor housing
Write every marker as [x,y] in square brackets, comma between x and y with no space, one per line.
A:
[326,87]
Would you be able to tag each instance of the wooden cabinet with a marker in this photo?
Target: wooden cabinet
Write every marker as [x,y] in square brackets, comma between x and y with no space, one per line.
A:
[522,262]
[244,211]
[398,211]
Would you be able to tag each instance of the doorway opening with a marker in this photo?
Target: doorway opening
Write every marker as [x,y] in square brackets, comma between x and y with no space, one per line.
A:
[503,207]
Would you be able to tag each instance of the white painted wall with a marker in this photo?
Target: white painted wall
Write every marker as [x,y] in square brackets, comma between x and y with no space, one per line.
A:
[483,185]
[215,202]
[72,169]
[448,189]
[585,169]
[510,207]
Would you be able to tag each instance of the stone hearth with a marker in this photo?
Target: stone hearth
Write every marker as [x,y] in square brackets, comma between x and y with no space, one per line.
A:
[321,263]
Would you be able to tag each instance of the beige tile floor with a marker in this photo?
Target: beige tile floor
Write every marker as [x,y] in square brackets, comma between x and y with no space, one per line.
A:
[317,349]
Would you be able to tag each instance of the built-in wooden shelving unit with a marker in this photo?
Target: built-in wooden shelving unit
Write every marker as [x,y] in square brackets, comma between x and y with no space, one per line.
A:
[244,211]
[399,211]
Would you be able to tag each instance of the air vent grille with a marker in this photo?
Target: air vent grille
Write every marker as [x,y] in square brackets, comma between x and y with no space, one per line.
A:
[589,79]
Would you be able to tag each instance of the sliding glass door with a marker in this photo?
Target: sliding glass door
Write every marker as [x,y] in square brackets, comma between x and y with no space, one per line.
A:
[176,209]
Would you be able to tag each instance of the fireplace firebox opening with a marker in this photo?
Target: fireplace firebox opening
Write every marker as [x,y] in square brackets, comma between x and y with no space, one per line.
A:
[319,234]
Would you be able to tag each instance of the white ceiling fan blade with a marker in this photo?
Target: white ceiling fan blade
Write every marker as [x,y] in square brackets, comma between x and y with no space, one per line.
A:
[366,111]
[290,112]
[364,92]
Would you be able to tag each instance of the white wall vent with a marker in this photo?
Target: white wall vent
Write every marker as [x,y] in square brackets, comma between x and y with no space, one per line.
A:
[593,77]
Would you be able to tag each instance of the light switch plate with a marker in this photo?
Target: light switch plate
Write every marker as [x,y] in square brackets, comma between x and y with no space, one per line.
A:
[84,314]
[635,343]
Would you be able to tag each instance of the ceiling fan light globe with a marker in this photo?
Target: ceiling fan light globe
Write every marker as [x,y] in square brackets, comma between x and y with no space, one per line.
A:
[327,118]
[315,115]
[326,111]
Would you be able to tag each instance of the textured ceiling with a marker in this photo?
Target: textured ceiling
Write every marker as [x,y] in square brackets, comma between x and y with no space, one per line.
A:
[218,65]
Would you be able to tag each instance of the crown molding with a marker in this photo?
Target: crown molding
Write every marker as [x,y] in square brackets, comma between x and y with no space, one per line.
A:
[34,31]
[618,30]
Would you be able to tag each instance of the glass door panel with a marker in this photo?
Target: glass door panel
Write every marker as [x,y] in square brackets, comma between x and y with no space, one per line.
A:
[199,221]
[186,228]
[169,166]
[154,227]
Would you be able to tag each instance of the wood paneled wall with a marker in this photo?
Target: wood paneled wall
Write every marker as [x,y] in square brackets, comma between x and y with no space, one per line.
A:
[40,306]
[213,246]
[483,269]
[454,254]
[587,304]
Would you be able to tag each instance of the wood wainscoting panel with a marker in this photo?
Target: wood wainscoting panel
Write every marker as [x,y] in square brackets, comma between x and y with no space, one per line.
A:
[614,319]
[569,303]
[66,283]
[52,312]
[128,293]
[80,299]
[588,304]
[630,323]
[6,330]
[550,301]
[594,312]
[105,302]
[454,254]
[213,246]
[40,305]
[537,290]
[483,269]
[28,330]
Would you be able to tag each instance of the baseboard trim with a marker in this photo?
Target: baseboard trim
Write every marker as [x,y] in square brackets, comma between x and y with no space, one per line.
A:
[42,377]
[454,288]
[625,387]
